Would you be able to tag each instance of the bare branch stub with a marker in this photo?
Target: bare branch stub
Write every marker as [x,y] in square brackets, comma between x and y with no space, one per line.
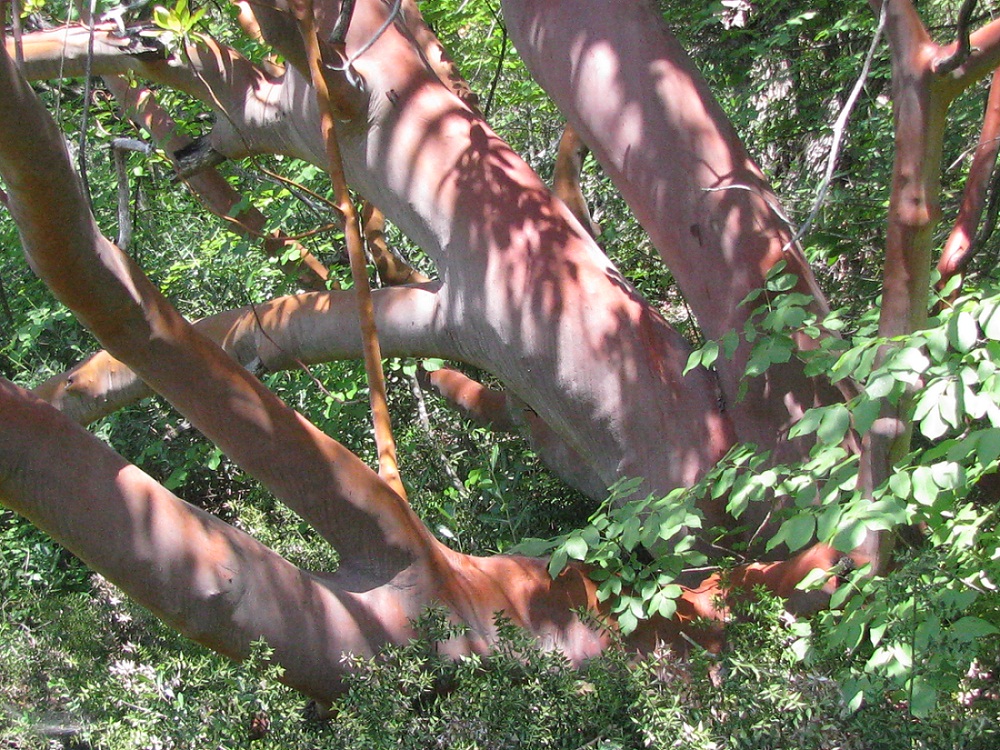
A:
[339,33]
[196,157]
[964,45]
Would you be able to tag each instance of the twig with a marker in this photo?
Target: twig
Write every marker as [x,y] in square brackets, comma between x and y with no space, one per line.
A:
[969,151]
[964,45]
[375,37]
[839,128]
[85,116]
[497,72]
[775,208]
[423,419]
[339,33]
[118,148]
[992,209]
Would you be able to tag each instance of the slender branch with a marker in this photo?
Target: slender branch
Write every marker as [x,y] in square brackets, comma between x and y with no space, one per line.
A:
[963,242]
[497,72]
[963,45]
[375,37]
[339,33]
[839,129]
[118,148]
[15,23]
[423,419]
[384,442]
[85,115]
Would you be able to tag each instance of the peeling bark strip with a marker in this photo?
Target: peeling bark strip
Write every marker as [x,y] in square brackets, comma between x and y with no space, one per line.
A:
[385,443]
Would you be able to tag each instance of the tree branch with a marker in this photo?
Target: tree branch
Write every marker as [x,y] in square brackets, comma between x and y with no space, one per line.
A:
[961,247]
[211,582]
[385,442]
[566,178]
[962,46]
[278,335]
[346,502]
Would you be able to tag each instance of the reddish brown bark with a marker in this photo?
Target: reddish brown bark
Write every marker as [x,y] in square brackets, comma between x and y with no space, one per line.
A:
[959,249]
[524,292]
[526,295]
[566,178]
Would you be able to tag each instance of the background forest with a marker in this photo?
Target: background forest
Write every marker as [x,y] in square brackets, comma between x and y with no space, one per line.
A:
[909,660]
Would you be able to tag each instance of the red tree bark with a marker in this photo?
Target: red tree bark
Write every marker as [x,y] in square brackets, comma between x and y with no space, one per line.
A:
[523,292]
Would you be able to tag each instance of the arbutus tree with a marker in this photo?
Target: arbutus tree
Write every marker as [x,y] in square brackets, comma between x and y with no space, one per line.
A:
[522,291]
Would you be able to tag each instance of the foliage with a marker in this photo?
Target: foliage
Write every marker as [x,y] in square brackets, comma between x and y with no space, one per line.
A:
[914,652]
[916,633]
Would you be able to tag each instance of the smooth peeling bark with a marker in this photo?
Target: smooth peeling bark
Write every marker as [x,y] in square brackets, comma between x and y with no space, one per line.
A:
[211,582]
[638,101]
[374,530]
[391,568]
[282,334]
[529,296]
[220,587]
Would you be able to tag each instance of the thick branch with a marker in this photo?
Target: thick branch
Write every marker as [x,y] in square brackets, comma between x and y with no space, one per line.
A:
[530,298]
[282,334]
[960,248]
[208,580]
[346,501]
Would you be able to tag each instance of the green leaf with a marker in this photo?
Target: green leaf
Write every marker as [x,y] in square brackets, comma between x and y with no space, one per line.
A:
[865,413]
[923,696]
[834,424]
[962,331]
[850,536]
[988,446]
[432,364]
[989,319]
[576,548]
[899,483]
[558,562]
[782,283]
[800,530]
[925,489]
[808,423]
[971,628]
[730,342]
